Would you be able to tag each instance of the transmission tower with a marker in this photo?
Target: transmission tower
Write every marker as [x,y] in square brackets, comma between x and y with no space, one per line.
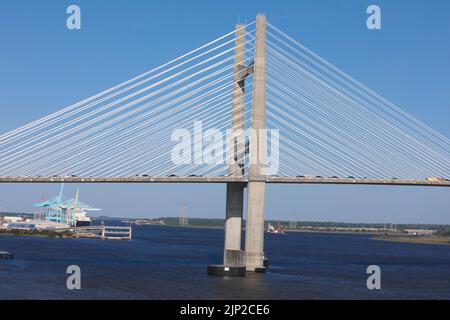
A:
[293,221]
[183,215]
[40,213]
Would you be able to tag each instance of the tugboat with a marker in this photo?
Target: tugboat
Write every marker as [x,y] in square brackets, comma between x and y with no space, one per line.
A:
[6,255]
[275,230]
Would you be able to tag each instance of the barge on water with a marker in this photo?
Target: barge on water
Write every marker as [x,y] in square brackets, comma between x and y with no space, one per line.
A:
[6,255]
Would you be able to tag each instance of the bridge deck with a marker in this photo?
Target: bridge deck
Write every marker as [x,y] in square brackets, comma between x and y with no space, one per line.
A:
[224,179]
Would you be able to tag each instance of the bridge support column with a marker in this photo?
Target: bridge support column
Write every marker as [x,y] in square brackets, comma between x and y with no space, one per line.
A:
[254,232]
[233,255]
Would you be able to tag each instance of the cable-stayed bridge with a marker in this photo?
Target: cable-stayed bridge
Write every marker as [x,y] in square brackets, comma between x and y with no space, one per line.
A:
[251,107]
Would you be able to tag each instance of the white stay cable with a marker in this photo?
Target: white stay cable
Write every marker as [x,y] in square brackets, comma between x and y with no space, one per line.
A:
[74,106]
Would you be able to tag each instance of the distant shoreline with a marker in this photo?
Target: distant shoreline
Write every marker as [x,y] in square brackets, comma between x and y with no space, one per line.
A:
[433,240]
[412,239]
[378,236]
[286,231]
[334,232]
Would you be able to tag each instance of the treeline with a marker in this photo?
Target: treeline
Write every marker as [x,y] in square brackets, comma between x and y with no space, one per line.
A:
[17,214]
[443,232]
[219,223]
[195,222]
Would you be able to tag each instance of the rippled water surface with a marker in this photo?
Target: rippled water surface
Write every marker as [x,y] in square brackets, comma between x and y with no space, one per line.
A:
[170,263]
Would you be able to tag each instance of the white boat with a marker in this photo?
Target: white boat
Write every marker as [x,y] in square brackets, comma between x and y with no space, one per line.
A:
[82,219]
[274,230]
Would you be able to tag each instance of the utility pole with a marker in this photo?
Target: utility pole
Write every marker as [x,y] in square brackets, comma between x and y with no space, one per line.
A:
[293,221]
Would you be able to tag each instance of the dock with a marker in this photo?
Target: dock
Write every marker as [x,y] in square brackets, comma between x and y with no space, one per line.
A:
[104,232]
[6,255]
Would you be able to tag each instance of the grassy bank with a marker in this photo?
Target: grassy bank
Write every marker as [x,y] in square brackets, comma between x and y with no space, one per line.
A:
[35,233]
[436,239]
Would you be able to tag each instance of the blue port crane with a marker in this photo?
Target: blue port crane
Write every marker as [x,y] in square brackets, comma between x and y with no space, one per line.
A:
[57,209]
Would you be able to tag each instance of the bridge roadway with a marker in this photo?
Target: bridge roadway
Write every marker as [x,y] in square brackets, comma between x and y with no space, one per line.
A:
[223,179]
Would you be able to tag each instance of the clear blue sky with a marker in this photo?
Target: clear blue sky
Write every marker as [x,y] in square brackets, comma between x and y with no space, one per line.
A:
[44,67]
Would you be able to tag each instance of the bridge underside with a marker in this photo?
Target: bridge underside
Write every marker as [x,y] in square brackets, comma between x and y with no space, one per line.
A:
[225,179]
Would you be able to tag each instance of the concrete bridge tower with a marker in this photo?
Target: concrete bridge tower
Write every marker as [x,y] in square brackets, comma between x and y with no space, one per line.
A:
[233,254]
[254,232]
[236,261]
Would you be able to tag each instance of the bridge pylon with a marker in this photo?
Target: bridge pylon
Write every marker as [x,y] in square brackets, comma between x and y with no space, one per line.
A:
[233,260]
[237,261]
[254,231]
[233,254]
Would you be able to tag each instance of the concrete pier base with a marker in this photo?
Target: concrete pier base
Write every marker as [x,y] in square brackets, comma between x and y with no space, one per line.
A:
[234,258]
[266,262]
[224,271]
[233,255]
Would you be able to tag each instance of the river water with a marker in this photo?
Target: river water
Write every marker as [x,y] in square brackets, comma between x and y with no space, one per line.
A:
[170,263]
